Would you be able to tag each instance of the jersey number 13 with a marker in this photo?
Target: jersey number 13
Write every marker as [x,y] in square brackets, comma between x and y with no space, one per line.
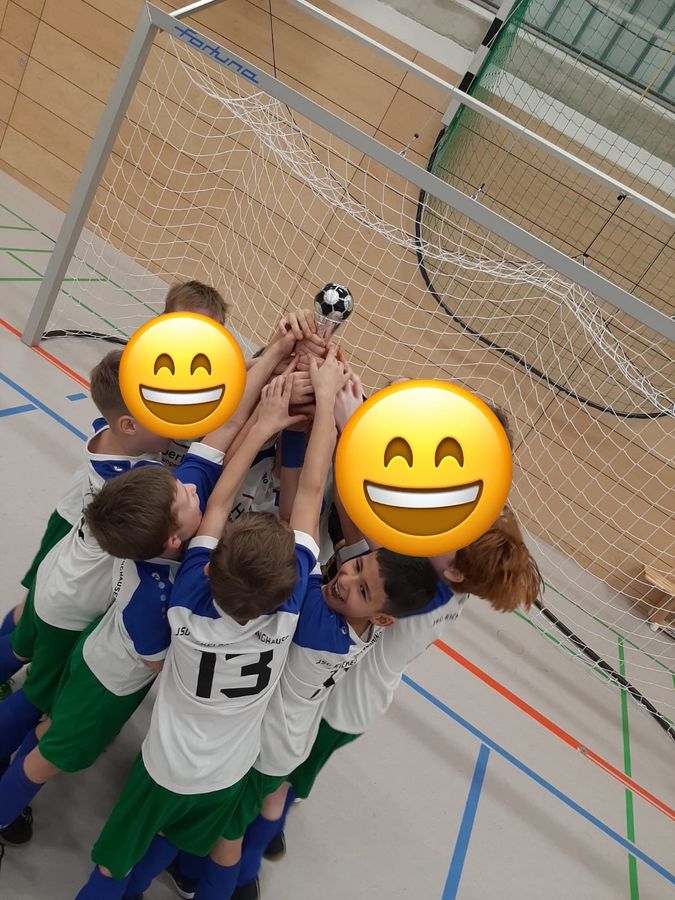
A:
[260,669]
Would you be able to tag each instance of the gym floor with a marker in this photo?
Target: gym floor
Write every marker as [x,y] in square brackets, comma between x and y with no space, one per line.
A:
[470,787]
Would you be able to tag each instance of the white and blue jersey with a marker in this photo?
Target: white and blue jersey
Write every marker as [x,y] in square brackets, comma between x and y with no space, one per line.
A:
[136,626]
[366,692]
[259,491]
[218,678]
[73,584]
[325,647]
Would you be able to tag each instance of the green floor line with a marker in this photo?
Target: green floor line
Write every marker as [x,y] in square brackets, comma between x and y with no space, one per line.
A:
[40,278]
[26,265]
[94,313]
[561,644]
[627,768]
[17,228]
[120,288]
[611,628]
[23,250]
[103,276]
[16,216]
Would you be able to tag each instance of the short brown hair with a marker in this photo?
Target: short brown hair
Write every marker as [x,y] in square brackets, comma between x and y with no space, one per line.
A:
[193,296]
[105,387]
[499,567]
[131,516]
[253,569]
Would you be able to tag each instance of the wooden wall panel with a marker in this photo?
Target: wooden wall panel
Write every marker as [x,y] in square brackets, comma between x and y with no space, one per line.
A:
[599,488]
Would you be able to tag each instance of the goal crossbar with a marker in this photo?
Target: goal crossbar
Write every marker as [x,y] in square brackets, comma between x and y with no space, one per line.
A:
[151,21]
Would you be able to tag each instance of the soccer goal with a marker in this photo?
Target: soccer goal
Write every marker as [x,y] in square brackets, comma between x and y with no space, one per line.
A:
[205,166]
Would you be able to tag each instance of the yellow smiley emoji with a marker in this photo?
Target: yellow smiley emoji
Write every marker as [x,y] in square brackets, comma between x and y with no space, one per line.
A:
[423,468]
[182,375]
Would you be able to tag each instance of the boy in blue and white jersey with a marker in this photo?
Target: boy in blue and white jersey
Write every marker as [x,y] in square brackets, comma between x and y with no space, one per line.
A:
[122,445]
[113,665]
[113,448]
[233,613]
[340,625]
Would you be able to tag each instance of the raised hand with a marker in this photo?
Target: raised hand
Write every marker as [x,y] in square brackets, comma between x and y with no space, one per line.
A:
[347,400]
[327,379]
[302,391]
[300,323]
[272,410]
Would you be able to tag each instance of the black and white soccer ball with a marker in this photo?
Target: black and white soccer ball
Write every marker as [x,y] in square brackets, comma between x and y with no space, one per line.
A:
[334,302]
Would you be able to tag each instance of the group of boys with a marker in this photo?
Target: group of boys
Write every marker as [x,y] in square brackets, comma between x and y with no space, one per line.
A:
[206,569]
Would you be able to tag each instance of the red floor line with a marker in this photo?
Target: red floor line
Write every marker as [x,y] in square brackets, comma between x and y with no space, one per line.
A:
[48,356]
[559,732]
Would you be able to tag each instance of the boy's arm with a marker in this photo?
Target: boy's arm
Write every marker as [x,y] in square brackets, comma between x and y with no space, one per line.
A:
[327,381]
[257,376]
[292,459]
[347,402]
[272,416]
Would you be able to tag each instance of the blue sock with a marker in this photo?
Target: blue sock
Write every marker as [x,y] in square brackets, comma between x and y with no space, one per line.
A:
[101,888]
[17,717]
[217,882]
[16,792]
[9,663]
[257,837]
[29,743]
[190,866]
[161,853]
[7,626]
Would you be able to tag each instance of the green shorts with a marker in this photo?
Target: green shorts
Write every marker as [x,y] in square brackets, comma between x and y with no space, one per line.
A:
[85,716]
[192,822]
[258,786]
[51,650]
[328,740]
[24,634]
[57,528]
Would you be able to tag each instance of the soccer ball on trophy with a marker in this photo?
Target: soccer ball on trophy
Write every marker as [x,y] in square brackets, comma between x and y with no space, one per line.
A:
[332,306]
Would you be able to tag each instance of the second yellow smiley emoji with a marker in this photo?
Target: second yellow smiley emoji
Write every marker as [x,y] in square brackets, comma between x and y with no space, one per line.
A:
[423,468]
[182,375]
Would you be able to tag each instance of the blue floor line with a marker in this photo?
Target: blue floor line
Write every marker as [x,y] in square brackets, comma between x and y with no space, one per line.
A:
[45,409]
[572,804]
[466,826]
[15,410]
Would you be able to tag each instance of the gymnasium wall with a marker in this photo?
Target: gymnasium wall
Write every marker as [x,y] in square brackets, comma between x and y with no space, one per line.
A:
[598,488]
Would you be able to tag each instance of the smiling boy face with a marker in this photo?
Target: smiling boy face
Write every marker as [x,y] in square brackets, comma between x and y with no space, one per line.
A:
[182,375]
[423,467]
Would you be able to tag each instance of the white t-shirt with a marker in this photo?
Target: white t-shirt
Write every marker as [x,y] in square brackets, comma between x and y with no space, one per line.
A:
[324,648]
[95,469]
[74,582]
[366,692]
[217,680]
